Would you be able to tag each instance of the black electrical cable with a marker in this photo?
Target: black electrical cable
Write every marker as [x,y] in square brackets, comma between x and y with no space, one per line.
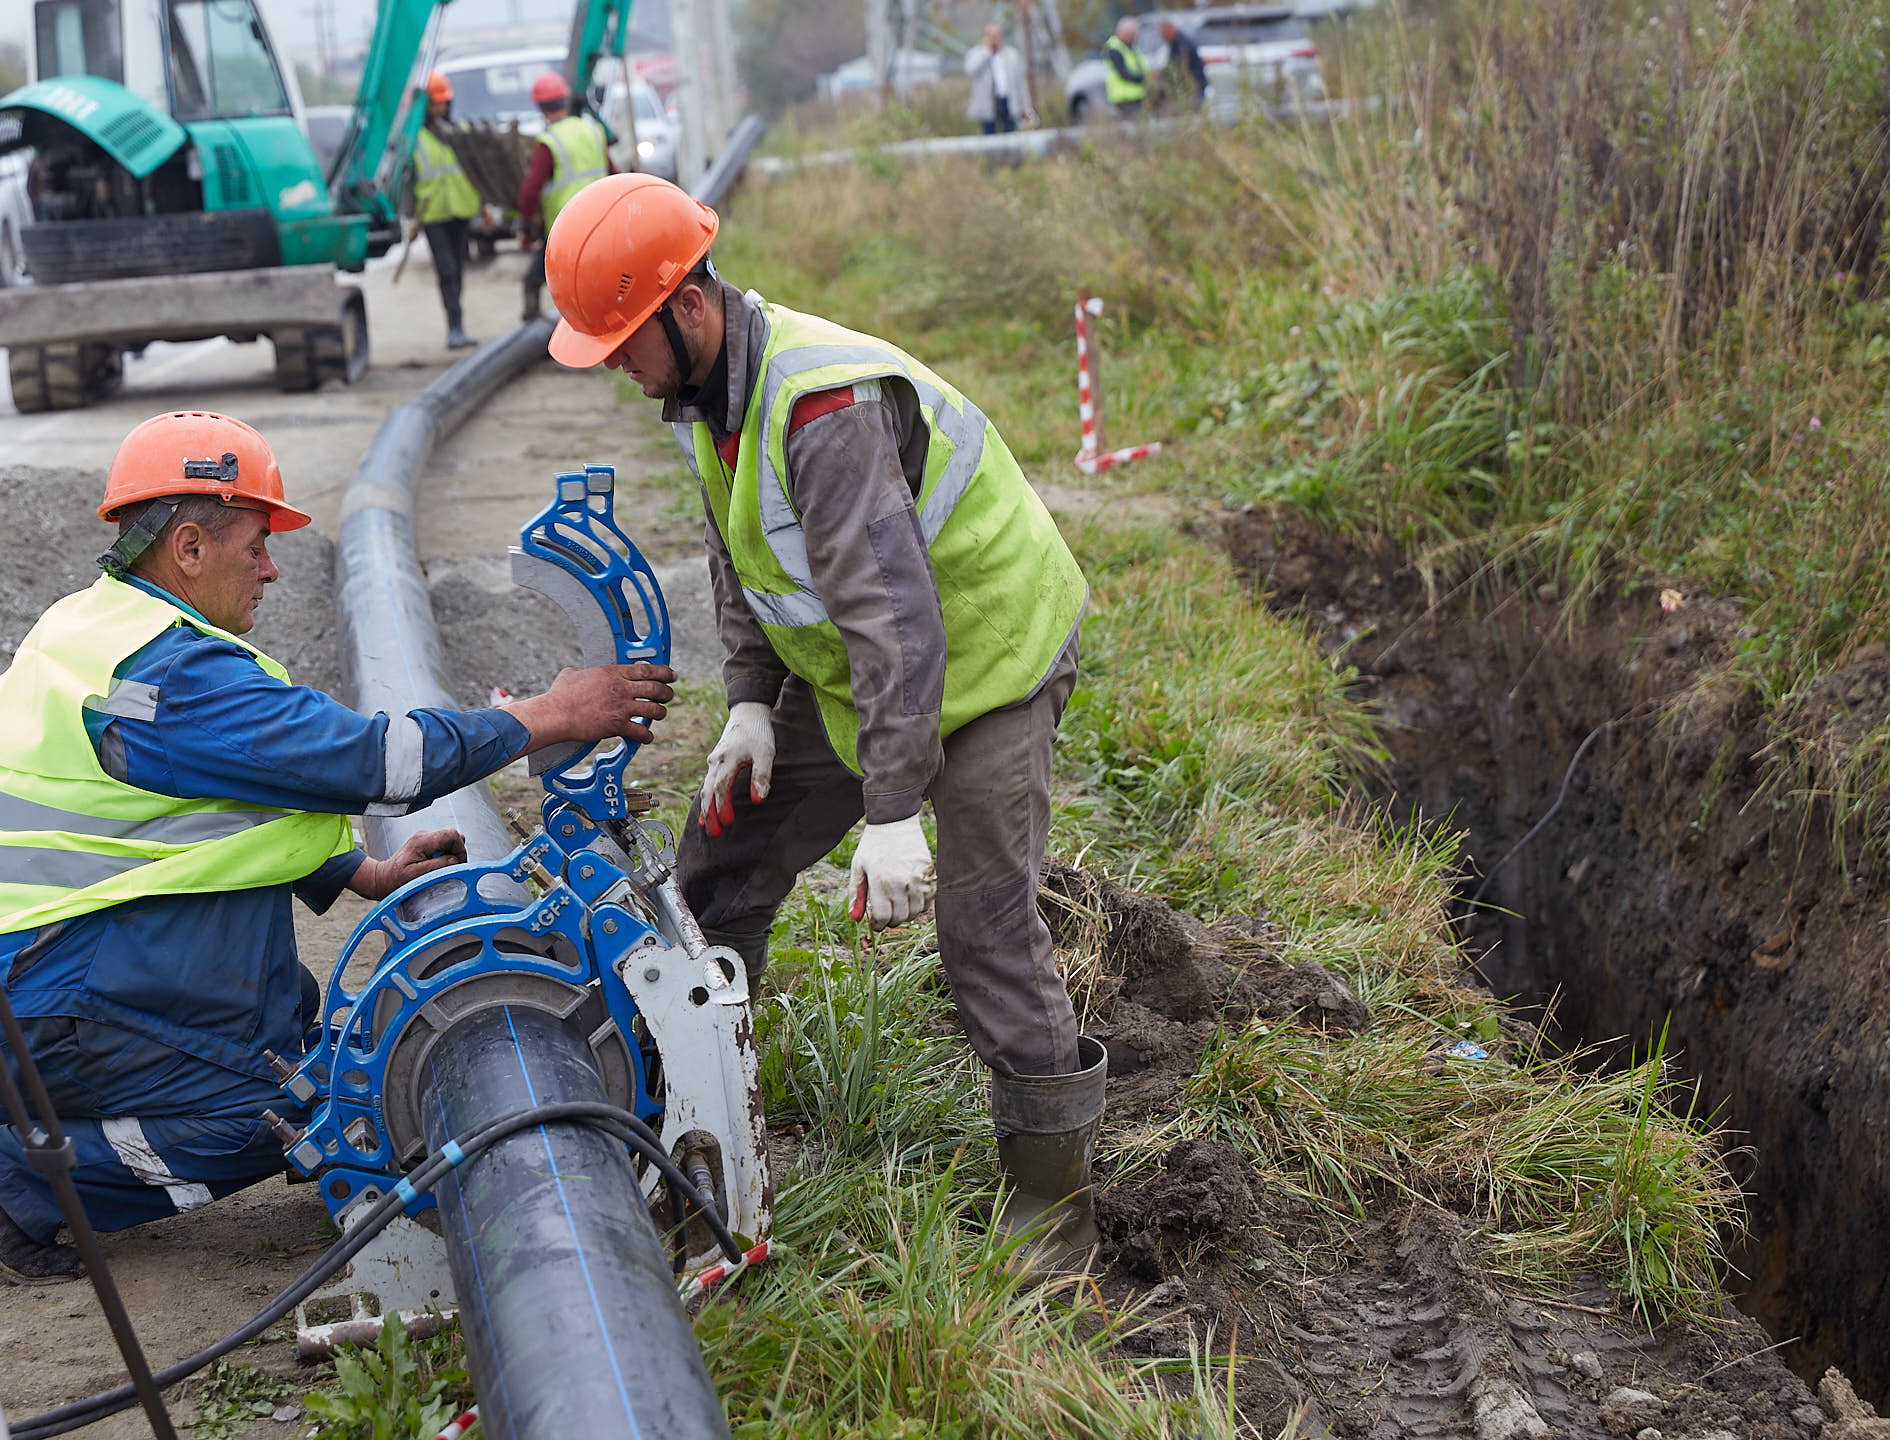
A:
[621,1124]
[1547,815]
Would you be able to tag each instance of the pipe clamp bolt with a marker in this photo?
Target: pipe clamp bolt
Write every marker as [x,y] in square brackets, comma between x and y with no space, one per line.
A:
[652,974]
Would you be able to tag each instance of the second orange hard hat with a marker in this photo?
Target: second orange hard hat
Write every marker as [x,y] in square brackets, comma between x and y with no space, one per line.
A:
[617,250]
[438,86]
[198,452]
[549,87]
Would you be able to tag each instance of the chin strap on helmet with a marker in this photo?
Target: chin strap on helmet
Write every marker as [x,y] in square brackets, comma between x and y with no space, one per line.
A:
[135,541]
[685,362]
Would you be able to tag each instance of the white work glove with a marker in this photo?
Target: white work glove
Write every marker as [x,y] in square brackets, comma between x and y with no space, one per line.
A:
[892,880]
[747,741]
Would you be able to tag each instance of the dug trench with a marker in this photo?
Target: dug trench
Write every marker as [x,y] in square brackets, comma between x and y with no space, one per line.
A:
[1673,890]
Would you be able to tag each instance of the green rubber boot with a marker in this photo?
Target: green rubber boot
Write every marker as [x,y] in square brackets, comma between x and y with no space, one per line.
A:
[1046,1134]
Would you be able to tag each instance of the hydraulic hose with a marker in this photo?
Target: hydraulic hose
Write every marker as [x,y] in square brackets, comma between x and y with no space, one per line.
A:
[620,1124]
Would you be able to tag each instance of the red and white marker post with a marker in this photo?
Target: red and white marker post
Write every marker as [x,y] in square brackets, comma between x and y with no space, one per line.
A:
[1092,459]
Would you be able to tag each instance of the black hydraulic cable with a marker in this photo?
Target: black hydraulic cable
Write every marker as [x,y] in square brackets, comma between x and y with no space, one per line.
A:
[1547,815]
[621,1124]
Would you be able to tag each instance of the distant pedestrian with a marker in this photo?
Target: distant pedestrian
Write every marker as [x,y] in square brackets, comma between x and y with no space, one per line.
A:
[1000,89]
[444,205]
[1185,76]
[571,152]
[1125,80]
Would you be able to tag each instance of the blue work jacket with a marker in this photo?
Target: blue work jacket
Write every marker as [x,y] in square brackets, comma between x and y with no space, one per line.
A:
[215,976]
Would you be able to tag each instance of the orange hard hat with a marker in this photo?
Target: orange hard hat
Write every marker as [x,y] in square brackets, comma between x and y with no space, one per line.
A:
[438,86]
[195,452]
[617,250]
[549,87]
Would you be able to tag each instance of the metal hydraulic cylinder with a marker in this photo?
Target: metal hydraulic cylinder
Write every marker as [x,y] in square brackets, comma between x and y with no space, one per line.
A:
[570,1313]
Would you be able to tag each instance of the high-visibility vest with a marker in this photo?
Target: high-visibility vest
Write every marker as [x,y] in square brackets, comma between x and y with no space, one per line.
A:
[1012,593]
[441,190]
[578,156]
[72,838]
[1116,90]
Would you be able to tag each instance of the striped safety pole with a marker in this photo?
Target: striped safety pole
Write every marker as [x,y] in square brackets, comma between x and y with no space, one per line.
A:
[461,1424]
[1089,401]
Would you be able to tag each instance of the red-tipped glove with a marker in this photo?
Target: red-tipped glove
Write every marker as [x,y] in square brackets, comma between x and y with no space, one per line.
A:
[747,743]
[893,880]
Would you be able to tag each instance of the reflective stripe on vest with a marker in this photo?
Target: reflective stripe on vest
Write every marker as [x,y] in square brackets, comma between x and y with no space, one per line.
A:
[72,838]
[578,156]
[1010,590]
[441,190]
[1117,90]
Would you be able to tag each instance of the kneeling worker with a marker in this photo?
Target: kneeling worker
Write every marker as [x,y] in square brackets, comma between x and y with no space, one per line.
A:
[899,615]
[164,791]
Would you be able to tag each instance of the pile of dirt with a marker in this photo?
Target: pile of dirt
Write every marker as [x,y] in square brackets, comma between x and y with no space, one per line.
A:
[1379,1328]
[55,536]
[1669,890]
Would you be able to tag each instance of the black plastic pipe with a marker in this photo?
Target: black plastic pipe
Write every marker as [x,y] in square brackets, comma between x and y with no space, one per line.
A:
[390,644]
[569,1310]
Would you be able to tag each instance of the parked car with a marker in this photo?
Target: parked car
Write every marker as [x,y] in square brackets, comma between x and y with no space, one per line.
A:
[655,124]
[327,127]
[910,68]
[1253,54]
[16,212]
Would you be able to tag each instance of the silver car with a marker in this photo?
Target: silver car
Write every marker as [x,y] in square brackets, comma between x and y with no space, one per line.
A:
[1253,54]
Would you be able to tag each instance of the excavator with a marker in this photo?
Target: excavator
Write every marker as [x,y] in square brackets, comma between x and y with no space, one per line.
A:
[176,196]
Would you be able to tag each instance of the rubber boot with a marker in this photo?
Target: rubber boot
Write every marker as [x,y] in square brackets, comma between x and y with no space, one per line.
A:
[26,1261]
[1046,1134]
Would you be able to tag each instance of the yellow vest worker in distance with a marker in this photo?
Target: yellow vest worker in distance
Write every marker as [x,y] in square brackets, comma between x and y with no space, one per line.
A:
[899,615]
[572,152]
[165,791]
[1125,72]
[444,205]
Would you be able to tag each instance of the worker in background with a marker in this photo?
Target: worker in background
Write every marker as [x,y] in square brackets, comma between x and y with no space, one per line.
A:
[164,792]
[1185,76]
[899,617]
[1125,71]
[1000,91]
[572,151]
[444,205]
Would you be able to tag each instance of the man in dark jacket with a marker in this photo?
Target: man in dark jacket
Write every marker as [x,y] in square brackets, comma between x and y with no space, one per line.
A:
[1186,76]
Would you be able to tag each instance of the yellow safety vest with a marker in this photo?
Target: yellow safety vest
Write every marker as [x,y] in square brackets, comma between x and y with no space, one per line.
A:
[72,838]
[579,155]
[1115,89]
[1012,592]
[441,190]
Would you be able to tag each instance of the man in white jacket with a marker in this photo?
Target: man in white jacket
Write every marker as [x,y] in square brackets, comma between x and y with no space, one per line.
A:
[1000,95]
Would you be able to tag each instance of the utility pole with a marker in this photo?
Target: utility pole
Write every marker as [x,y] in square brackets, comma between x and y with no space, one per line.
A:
[704,40]
[879,44]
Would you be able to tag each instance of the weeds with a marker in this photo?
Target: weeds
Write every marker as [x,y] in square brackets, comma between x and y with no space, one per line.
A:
[232,1397]
[401,1389]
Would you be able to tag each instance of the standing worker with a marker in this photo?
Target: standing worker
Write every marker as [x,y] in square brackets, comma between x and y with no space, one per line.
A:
[164,792]
[1185,75]
[899,617]
[572,152]
[1125,73]
[444,205]
[1000,94]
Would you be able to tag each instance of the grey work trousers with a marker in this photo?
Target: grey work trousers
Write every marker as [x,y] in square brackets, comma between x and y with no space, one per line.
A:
[992,804]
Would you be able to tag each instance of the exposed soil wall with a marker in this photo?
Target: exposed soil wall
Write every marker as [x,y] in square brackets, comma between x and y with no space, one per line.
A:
[1665,891]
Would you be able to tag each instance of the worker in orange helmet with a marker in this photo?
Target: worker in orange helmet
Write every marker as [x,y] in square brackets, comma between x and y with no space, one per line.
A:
[165,791]
[444,205]
[899,616]
[572,151]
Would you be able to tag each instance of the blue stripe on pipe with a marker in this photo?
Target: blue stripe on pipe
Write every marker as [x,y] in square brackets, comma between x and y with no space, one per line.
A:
[479,1280]
[531,1094]
[406,1192]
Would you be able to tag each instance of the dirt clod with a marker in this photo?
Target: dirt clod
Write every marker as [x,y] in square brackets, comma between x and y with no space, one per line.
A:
[1203,1203]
